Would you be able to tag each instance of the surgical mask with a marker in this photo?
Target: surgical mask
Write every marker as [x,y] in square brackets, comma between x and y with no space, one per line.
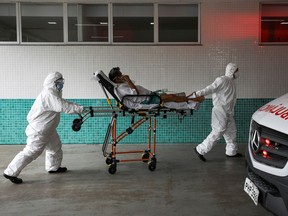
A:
[59,86]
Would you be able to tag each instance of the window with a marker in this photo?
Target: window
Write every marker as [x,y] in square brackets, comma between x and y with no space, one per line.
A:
[42,22]
[133,23]
[87,23]
[274,23]
[178,23]
[103,23]
[8,26]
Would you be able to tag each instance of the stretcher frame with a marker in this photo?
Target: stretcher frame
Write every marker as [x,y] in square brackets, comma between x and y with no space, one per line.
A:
[149,116]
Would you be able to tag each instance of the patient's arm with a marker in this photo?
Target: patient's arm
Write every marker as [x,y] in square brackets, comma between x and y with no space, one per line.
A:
[127,79]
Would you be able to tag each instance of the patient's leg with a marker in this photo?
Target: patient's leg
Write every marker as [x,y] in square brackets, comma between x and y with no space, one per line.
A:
[199,99]
[173,98]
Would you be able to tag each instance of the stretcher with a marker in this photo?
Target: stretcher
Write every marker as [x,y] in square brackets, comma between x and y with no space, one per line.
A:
[138,118]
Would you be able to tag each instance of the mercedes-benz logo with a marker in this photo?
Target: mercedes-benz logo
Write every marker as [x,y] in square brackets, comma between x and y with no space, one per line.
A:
[255,142]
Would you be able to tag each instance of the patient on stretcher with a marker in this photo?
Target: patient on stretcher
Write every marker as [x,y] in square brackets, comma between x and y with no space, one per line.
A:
[124,87]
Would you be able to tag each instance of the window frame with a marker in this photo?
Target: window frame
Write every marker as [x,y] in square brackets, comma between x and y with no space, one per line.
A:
[17,25]
[131,43]
[66,39]
[156,27]
[180,43]
[41,43]
[260,25]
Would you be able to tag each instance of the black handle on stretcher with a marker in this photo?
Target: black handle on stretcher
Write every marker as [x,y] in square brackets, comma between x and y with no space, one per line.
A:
[91,111]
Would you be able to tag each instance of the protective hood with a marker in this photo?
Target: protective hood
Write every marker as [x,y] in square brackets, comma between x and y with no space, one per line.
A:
[230,70]
[49,82]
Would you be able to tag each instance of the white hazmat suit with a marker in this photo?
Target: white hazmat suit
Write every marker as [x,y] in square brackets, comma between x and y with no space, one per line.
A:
[223,92]
[43,120]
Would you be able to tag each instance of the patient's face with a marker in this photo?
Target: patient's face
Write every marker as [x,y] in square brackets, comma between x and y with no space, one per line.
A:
[118,79]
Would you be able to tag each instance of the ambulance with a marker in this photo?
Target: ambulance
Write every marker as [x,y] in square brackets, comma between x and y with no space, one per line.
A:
[267,157]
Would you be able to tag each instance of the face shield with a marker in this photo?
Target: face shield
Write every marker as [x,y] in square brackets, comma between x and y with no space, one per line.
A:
[236,74]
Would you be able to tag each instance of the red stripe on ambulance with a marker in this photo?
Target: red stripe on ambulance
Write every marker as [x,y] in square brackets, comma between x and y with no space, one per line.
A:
[278,110]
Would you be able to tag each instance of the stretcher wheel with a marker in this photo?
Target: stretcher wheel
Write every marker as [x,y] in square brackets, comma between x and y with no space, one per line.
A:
[112,168]
[109,161]
[76,124]
[152,164]
[145,157]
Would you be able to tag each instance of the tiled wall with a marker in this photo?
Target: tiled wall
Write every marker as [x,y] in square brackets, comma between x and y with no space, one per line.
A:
[190,129]
[229,33]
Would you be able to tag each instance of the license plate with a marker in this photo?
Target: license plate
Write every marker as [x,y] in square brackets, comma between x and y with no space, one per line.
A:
[251,189]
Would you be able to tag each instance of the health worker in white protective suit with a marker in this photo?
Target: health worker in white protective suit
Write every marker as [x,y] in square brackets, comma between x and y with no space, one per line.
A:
[43,120]
[223,92]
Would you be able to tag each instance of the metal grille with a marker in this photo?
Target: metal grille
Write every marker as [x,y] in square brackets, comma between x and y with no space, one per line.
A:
[268,146]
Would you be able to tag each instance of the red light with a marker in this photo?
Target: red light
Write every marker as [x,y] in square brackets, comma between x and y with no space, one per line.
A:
[265,153]
[267,142]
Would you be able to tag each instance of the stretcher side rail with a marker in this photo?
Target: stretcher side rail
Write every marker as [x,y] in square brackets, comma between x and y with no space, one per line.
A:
[101,111]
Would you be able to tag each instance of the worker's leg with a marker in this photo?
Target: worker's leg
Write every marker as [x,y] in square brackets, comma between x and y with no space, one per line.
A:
[209,142]
[218,124]
[230,137]
[33,149]
[54,153]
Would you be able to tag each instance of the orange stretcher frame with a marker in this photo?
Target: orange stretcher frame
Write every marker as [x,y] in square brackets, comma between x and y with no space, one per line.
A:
[148,155]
